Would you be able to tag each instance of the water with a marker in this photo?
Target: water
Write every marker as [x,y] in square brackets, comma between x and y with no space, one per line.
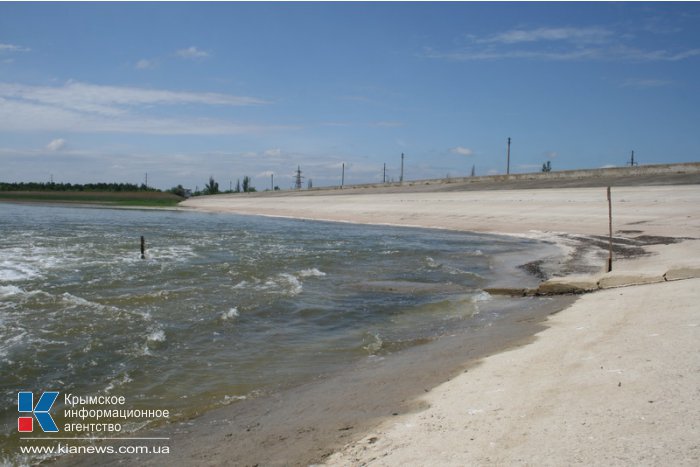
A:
[222,309]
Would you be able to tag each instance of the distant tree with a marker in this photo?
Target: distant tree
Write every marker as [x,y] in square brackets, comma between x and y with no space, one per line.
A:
[212,187]
[547,166]
[277,188]
[238,186]
[246,184]
[178,190]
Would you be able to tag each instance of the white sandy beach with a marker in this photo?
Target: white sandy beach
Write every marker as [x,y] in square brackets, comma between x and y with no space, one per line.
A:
[615,378]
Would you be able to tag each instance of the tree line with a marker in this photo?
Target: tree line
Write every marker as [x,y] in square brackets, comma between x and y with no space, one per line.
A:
[212,187]
[52,186]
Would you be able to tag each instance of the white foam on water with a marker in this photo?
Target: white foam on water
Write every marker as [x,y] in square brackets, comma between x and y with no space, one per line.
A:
[81,302]
[156,336]
[293,285]
[241,285]
[375,344]
[7,345]
[171,253]
[10,290]
[154,340]
[312,272]
[125,379]
[230,399]
[12,271]
[230,314]
[482,296]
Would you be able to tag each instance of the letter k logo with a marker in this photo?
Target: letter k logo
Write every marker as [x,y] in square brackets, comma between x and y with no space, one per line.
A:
[25,403]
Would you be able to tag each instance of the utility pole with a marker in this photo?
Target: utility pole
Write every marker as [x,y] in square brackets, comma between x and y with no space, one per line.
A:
[473,170]
[272,182]
[146,183]
[610,250]
[342,178]
[508,163]
[297,183]
[401,177]
[632,162]
[384,179]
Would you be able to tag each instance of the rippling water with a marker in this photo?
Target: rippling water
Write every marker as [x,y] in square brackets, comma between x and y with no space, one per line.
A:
[223,307]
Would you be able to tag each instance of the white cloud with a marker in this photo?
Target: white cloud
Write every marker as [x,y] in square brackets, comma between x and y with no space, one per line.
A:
[560,44]
[145,64]
[57,144]
[578,35]
[192,53]
[477,54]
[551,154]
[462,151]
[275,152]
[109,99]
[646,83]
[13,48]
[93,108]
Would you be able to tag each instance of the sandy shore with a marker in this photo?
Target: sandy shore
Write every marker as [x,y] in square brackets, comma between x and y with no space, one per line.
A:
[613,379]
[658,210]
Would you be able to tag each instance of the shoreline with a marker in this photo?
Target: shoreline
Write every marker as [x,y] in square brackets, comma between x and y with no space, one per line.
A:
[598,386]
[572,214]
[274,429]
[668,210]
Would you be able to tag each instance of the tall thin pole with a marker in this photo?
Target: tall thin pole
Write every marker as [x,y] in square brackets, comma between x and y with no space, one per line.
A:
[610,250]
[297,185]
[272,182]
[342,177]
[384,179]
[508,163]
[401,178]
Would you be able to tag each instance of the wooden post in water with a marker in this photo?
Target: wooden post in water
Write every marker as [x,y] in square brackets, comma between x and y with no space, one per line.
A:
[143,247]
[610,250]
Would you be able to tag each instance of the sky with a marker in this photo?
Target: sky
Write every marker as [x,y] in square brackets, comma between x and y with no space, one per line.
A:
[110,92]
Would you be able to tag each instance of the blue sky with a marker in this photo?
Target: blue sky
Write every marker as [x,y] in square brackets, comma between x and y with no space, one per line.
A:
[108,92]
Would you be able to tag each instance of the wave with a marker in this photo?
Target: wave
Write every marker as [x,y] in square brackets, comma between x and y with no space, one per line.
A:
[284,282]
[290,283]
[312,272]
[13,271]
[156,336]
[76,301]
[230,314]
[10,290]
